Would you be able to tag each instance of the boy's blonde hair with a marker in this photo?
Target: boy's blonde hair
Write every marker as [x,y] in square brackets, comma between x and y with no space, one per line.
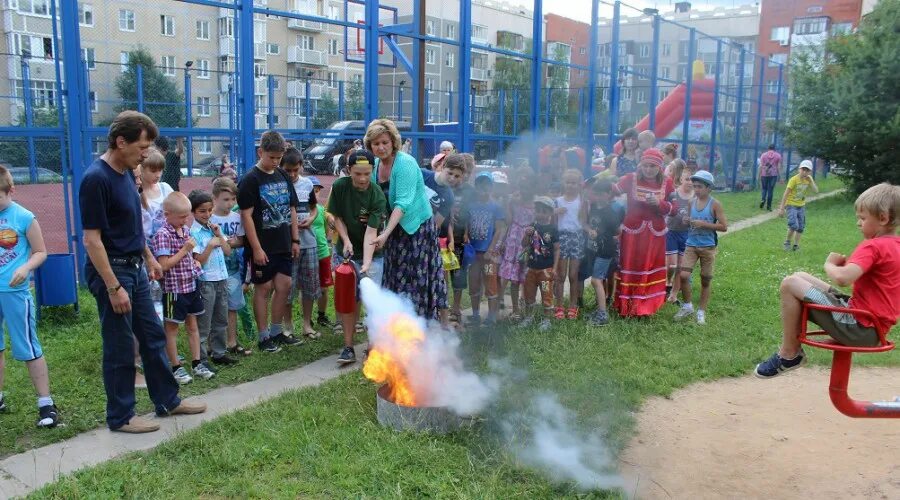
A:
[176,203]
[470,163]
[881,199]
[6,180]
[155,161]
[573,172]
[224,185]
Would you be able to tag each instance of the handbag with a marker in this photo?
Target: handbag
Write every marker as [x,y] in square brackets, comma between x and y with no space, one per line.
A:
[451,263]
[468,255]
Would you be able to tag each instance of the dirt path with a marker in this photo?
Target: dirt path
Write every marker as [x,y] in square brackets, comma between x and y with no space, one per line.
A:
[752,438]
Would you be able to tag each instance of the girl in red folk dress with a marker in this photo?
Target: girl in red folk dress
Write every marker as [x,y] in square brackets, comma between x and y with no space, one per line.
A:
[641,290]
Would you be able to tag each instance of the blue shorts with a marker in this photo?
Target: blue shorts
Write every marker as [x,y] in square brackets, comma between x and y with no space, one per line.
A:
[236,300]
[178,306]
[676,242]
[796,218]
[602,268]
[17,311]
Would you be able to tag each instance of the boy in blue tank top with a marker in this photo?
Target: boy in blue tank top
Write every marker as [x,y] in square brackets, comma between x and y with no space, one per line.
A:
[22,250]
[705,218]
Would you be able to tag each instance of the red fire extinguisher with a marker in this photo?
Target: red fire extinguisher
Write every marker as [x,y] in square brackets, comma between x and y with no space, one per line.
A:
[345,288]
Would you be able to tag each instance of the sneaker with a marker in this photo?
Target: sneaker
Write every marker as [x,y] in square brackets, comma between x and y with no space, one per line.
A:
[701,317]
[527,321]
[544,325]
[601,318]
[3,406]
[348,355]
[323,321]
[288,340]
[795,248]
[268,345]
[203,372]
[49,416]
[138,425]
[181,376]
[685,311]
[787,246]
[224,360]
[761,204]
[474,321]
[776,365]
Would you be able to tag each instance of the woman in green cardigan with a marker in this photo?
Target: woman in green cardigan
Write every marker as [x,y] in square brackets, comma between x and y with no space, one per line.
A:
[412,259]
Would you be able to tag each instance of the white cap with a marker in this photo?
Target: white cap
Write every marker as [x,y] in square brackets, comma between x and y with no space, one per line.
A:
[446,145]
[806,164]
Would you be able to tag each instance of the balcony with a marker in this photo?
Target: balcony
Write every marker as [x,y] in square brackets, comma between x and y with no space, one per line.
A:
[479,74]
[481,101]
[226,46]
[297,24]
[259,50]
[296,122]
[296,89]
[40,69]
[298,55]
[260,86]
[225,79]
[261,122]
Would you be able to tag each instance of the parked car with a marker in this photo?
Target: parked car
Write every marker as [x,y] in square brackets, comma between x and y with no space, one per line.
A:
[318,157]
[22,175]
[491,165]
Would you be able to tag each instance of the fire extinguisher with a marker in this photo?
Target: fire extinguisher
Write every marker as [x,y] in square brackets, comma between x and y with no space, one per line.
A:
[345,288]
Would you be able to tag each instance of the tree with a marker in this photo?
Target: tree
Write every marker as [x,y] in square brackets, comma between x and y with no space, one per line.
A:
[353,95]
[845,105]
[326,112]
[164,102]
[47,151]
[512,77]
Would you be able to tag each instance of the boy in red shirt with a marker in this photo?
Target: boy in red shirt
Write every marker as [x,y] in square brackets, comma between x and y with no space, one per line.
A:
[874,271]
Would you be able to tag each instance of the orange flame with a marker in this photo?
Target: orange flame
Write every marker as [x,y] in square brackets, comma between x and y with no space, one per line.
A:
[387,366]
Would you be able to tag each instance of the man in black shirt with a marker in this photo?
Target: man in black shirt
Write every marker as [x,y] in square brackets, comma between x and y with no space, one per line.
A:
[172,173]
[117,277]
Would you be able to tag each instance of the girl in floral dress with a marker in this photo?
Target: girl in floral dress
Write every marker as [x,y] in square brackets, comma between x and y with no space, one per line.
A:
[520,213]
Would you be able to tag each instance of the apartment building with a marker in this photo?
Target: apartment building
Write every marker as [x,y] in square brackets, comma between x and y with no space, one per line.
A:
[737,27]
[568,41]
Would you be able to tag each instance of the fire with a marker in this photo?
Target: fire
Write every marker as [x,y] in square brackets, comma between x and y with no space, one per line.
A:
[388,359]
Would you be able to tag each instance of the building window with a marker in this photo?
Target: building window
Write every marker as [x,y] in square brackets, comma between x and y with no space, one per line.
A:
[451,31]
[43,93]
[641,96]
[838,29]
[92,99]
[479,33]
[429,84]
[645,50]
[582,51]
[203,107]
[781,34]
[429,27]
[167,25]
[332,47]
[202,30]
[334,12]
[168,65]
[810,25]
[87,54]
[663,94]
[203,68]
[34,46]
[273,49]
[664,72]
[86,15]
[332,79]
[777,59]
[123,61]
[449,85]
[451,59]
[126,20]
[305,42]
[37,7]
[667,49]
[204,147]
[772,86]
[226,27]
[429,56]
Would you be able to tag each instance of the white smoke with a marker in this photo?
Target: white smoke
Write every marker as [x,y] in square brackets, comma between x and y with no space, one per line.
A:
[537,430]
[437,373]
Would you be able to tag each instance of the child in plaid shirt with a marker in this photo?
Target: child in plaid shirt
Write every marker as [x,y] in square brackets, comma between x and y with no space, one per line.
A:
[172,245]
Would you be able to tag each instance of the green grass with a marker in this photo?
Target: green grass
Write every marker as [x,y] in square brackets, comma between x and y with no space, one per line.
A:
[739,206]
[325,442]
[73,348]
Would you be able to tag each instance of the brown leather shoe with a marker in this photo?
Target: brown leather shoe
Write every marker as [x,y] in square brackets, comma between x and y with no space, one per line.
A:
[188,407]
[138,425]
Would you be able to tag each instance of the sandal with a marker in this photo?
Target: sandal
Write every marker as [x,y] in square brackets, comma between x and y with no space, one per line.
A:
[360,327]
[312,334]
[560,313]
[514,317]
[239,349]
[454,317]
[572,313]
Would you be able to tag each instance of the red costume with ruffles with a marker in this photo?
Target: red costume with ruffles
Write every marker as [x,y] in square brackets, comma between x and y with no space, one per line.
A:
[641,288]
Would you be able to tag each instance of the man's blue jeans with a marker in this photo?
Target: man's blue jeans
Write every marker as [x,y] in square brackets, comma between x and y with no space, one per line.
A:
[119,332]
[768,189]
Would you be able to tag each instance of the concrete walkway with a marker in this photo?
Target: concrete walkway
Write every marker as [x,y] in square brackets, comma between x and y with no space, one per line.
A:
[21,474]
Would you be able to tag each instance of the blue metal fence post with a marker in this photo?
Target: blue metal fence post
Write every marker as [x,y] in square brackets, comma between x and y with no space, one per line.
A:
[75,130]
[737,119]
[400,103]
[416,82]
[515,116]
[759,111]
[593,53]
[654,75]
[139,76]
[29,118]
[308,107]
[688,93]
[245,88]
[232,146]
[188,121]
[713,136]
[270,100]
[537,39]
[778,113]
[371,64]
[547,109]
[501,106]
[341,100]
[60,117]
[614,79]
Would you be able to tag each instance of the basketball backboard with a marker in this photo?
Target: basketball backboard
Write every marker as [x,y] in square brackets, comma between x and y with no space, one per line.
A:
[355,38]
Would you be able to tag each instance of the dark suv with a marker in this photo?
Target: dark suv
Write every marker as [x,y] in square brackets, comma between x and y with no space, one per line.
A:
[318,157]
